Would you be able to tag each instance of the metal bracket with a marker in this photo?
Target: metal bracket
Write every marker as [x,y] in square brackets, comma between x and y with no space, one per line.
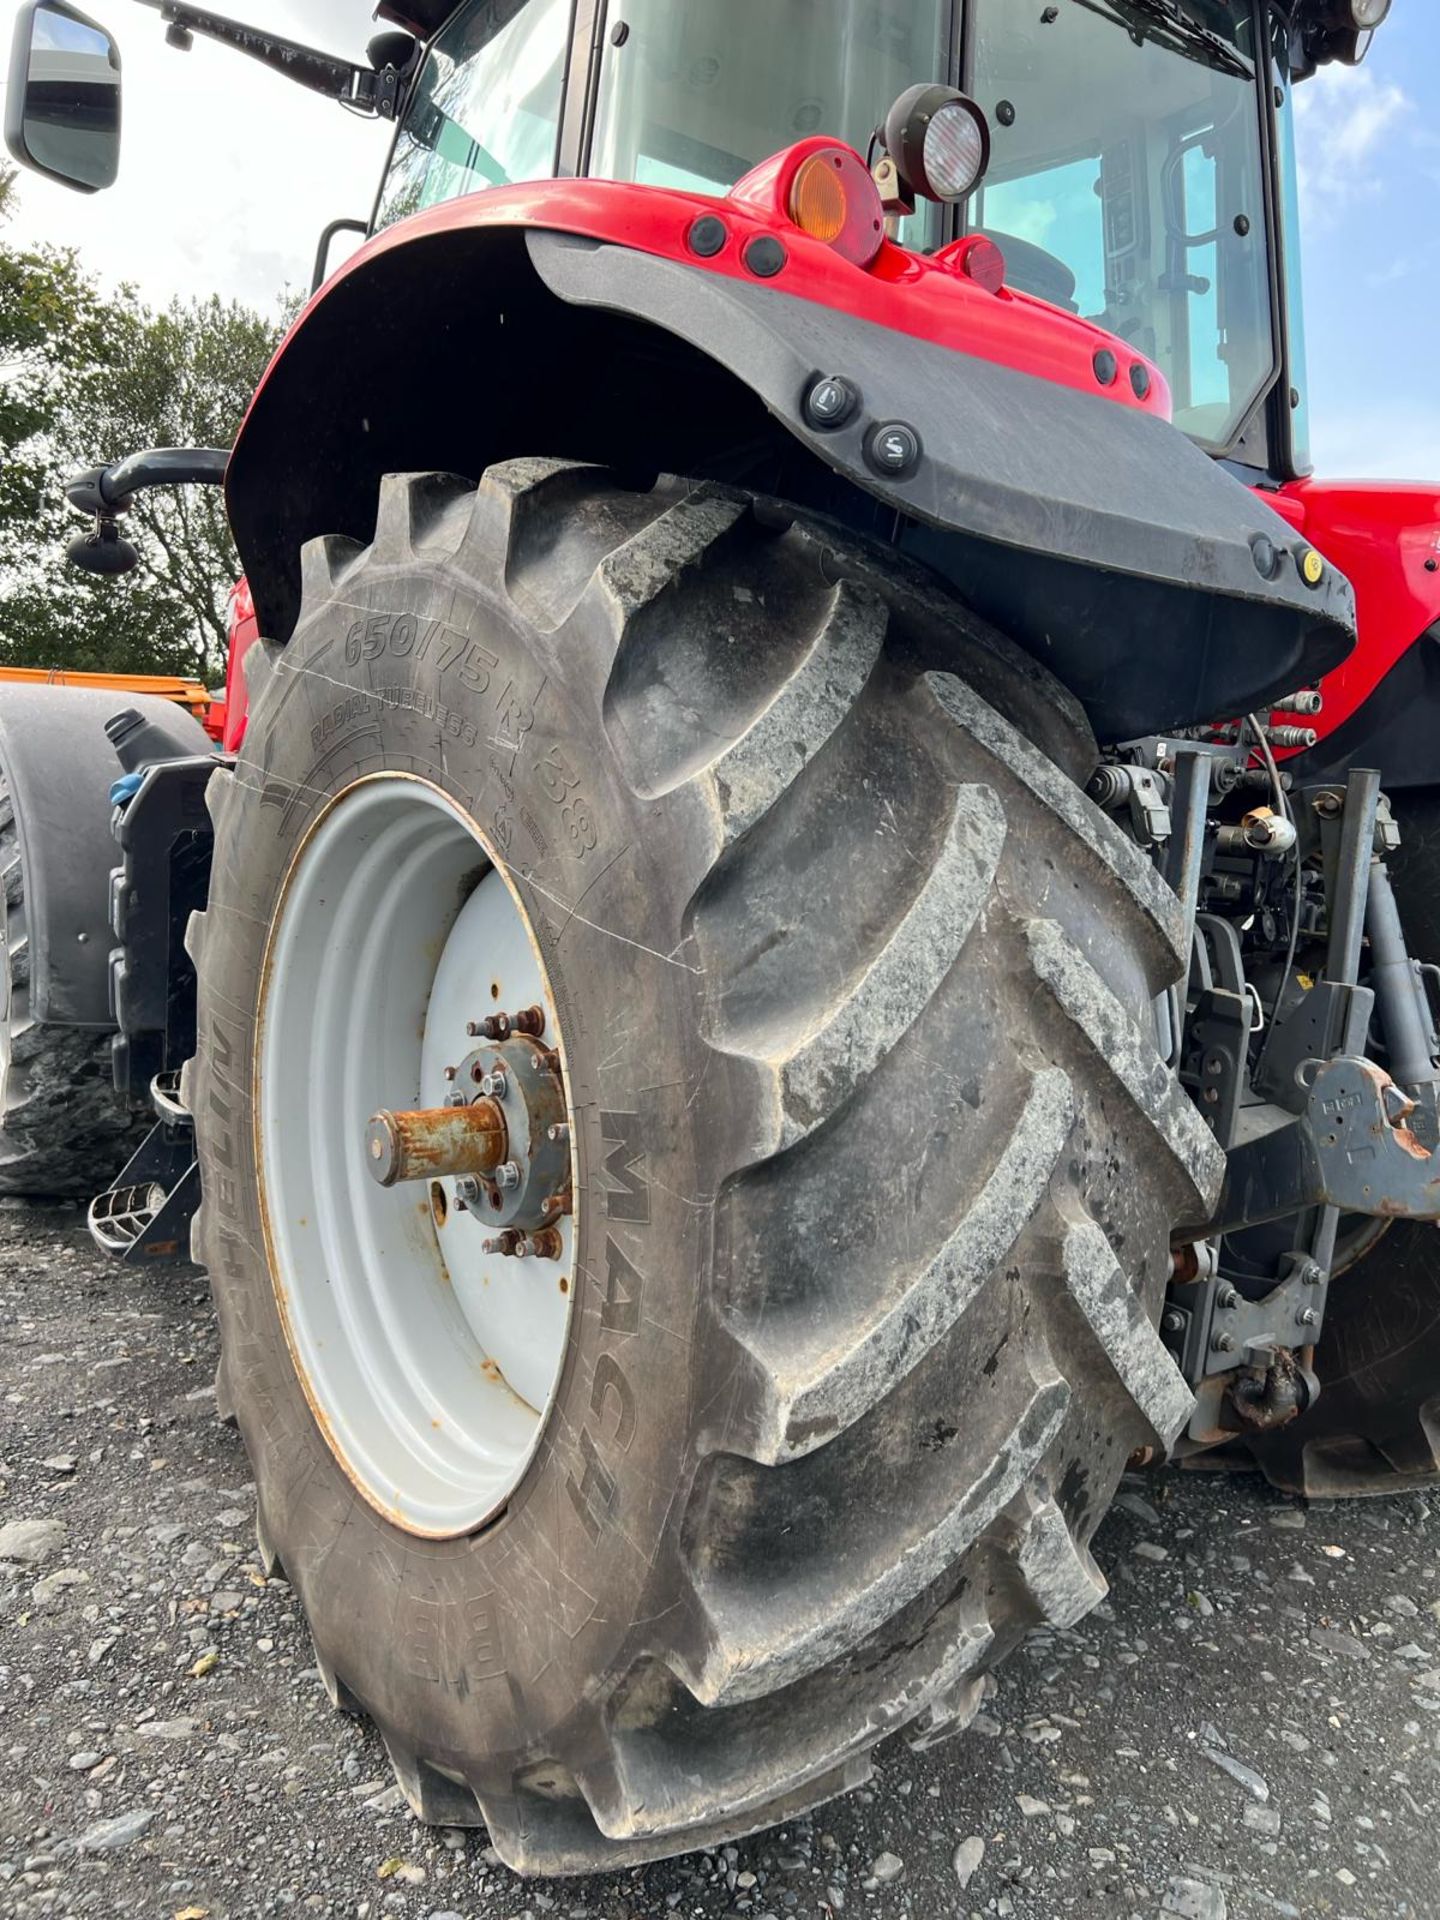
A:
[1225,1330]
[1351,1149]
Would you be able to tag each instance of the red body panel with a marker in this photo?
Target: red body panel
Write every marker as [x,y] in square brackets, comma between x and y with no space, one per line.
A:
[244,631]
[1385,537]
[931,298]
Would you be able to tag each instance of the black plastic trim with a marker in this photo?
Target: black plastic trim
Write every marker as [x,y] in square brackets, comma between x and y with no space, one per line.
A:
[1138,581]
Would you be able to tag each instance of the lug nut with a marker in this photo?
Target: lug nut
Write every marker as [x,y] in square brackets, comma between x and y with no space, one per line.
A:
[494,1085]
[467,1190]
[507,1175]
[1223,1343]
[1306,1317]
[545,1243]
[558,1135]
[1227,1297]
[529,1020]
[1173,1321]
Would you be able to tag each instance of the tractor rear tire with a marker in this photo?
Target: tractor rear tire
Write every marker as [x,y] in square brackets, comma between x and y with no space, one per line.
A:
[1375,1430]
[63,1133]
[876,1161]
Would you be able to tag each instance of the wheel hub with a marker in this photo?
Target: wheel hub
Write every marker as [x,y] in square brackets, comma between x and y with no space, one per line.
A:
[415,1185]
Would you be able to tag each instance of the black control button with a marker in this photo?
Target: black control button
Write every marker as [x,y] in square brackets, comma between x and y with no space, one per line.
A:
[830,403]
[893,448]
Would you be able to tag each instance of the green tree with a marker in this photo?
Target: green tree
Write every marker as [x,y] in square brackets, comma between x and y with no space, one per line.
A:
[88,378]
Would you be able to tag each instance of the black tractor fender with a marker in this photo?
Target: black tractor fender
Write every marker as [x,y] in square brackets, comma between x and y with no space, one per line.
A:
[1159,588]
[59,766]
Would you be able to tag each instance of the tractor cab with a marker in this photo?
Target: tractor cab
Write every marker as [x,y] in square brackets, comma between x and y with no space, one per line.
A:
[1141,156]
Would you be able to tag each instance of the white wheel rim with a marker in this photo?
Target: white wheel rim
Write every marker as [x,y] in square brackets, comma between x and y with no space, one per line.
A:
[430,1365]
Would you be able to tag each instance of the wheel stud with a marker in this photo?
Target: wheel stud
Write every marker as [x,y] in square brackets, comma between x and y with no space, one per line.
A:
[508,1243]
[500,1026]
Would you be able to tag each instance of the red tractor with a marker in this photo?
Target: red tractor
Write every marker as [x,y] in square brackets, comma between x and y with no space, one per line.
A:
[761,1012]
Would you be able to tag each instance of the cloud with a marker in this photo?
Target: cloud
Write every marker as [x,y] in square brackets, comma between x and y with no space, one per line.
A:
[1345,122]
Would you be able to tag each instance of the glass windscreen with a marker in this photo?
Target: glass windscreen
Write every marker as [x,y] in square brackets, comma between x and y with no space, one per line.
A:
[694,93]
[1127,183]
[486,111]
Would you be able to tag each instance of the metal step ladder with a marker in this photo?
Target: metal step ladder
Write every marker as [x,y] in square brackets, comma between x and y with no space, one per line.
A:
[146,1215]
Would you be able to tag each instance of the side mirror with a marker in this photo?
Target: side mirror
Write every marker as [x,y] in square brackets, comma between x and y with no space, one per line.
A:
[62,108]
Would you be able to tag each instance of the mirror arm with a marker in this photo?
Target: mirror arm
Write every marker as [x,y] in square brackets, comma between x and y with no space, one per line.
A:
[362,88]
[106,491]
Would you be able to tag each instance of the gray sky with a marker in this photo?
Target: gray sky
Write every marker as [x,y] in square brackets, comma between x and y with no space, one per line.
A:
[228,172]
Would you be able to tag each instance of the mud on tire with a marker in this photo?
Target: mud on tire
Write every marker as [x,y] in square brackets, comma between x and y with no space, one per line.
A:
[877,1165]
[62,1133]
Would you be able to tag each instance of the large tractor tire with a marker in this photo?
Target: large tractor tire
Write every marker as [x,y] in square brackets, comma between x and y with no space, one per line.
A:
[63,1133]
[875,1166]
[1376,1427]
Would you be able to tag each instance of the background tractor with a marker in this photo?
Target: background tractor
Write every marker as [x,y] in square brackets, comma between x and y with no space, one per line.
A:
[749,1010]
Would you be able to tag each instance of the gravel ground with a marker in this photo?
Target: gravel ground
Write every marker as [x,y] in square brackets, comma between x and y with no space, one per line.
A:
[1249,1726]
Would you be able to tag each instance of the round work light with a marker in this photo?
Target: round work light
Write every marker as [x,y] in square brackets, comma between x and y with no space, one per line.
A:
[939,141]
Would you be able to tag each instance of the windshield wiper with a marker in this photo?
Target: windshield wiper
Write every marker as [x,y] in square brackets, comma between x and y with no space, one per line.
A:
[1163,24]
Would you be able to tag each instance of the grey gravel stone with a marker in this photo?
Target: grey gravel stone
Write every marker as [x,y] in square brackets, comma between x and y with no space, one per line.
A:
[30,1541]
[51,1586]
[1246,1777]
[886,1867]
[119,1831]
[1194,1900]
[966,1859]
[1345,1644]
